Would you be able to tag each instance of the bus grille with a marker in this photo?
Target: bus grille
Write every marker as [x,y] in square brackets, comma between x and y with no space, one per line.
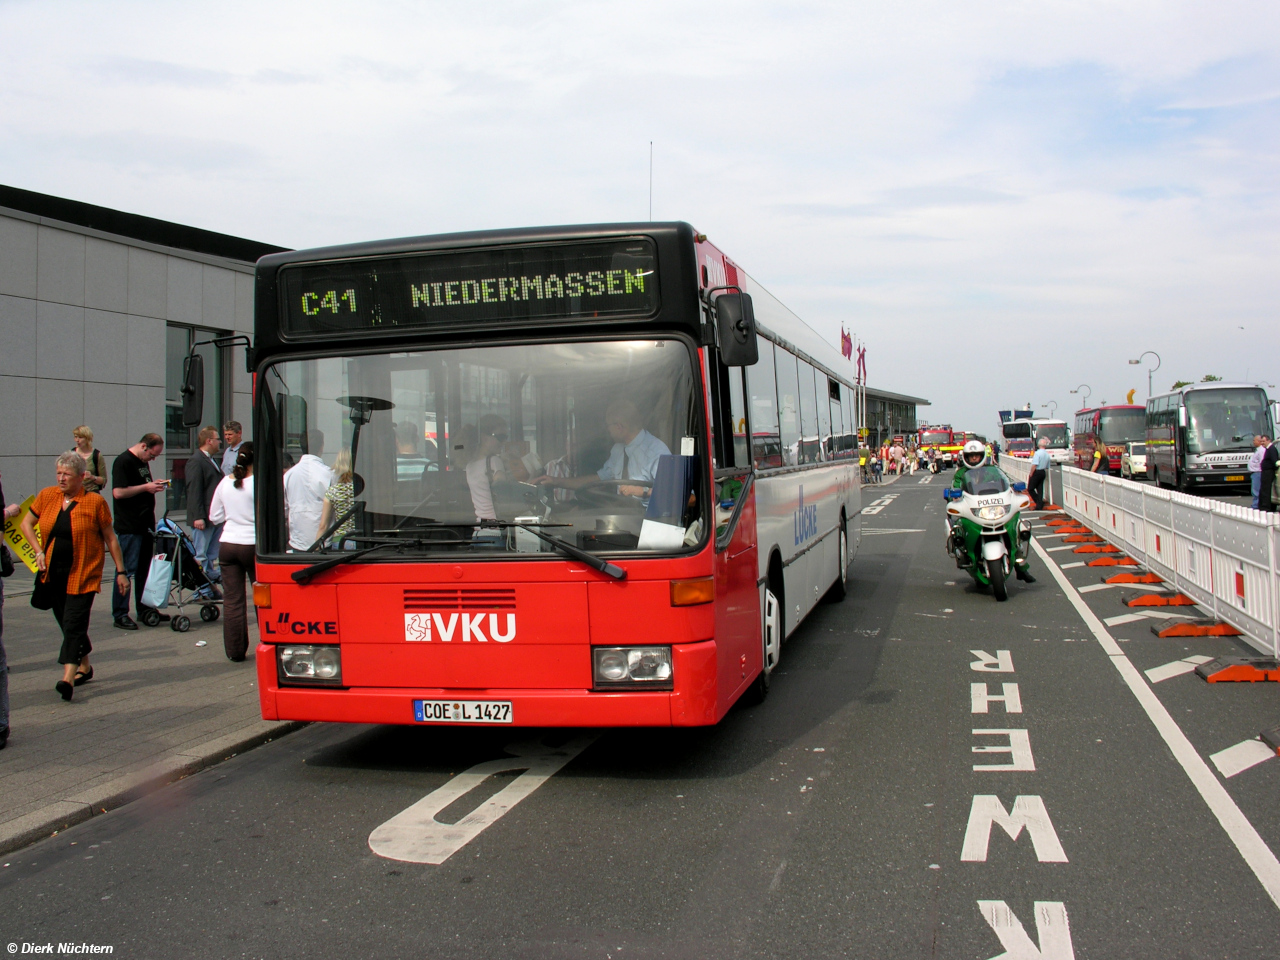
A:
[459,598]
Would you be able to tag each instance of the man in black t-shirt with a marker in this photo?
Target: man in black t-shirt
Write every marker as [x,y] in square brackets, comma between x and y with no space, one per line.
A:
[134,493]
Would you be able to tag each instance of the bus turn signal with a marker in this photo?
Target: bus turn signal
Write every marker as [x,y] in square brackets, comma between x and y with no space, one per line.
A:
[262,594]
[688,593]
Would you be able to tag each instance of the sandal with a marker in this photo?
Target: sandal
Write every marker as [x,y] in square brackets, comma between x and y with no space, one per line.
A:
[82,678]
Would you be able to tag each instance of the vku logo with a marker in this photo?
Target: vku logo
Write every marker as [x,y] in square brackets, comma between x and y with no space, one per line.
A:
[420,627]
[805,520]
[299,628]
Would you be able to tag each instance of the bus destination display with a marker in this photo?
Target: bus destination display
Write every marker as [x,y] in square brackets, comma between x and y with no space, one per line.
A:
[577,280]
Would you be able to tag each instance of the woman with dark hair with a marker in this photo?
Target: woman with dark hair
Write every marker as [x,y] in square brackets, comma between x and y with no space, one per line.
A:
[484,466]
[75,526]
[233,506]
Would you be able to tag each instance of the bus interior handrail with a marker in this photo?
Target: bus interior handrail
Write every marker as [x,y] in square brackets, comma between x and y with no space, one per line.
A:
[724,537]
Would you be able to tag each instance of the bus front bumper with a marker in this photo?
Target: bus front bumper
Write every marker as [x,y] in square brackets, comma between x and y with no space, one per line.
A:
[693,702]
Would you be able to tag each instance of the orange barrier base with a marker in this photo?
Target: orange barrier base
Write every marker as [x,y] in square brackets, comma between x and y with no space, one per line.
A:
[1114,562]
[1084,538]
[1161,600]
[1134,578]
[1239,670]
[1059,522]
[1271,738]
[1197,628]
[1068,528]
[1096,548]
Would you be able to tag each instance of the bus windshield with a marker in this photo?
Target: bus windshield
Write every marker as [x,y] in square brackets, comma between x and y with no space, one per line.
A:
[1122,426]
[1016,428]
[1056,433]
[440,451]
[935,437]
[1225,419]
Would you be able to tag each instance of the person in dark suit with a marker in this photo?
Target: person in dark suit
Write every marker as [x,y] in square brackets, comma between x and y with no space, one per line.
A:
[204,473]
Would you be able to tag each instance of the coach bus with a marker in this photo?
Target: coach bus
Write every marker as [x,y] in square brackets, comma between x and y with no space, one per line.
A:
[1202,435]
[1115,425]
[1015,435]
[592,541]
[1058,435]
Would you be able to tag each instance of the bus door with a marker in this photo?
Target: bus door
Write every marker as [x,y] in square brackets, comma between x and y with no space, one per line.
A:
[737,596]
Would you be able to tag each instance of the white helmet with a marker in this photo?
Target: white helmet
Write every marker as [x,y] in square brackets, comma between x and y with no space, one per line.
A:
[973,453]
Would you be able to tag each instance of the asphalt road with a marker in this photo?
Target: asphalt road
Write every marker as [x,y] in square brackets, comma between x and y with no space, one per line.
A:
[835,820]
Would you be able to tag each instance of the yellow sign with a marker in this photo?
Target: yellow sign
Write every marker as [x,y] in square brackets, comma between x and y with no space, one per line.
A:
[14,538]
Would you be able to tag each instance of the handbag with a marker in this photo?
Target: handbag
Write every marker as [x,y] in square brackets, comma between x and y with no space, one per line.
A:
[6,562]
[42,593]
[156,592]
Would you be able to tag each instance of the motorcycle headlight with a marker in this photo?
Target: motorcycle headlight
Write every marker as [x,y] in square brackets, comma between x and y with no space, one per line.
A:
[992,513]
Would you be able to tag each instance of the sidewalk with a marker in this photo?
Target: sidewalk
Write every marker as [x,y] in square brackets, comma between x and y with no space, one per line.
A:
[159,708]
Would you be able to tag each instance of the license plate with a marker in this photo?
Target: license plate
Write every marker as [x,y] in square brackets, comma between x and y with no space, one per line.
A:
[462,711]
[1236,477]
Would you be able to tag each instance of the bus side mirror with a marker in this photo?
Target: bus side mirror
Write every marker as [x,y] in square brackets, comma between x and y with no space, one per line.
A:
[192,390]
[736,326]
[1182,416]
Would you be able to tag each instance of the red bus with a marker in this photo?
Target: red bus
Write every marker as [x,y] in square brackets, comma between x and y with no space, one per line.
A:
[596,543]
[1117,425]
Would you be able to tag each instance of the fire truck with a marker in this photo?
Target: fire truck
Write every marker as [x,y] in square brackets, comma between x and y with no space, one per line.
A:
[940,437]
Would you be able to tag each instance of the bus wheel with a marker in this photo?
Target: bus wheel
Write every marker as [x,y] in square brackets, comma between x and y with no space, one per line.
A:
[771,644]
[840,587]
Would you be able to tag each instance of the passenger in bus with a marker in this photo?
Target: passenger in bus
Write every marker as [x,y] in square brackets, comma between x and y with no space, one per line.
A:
[634,455]
[485,465]
[305,484]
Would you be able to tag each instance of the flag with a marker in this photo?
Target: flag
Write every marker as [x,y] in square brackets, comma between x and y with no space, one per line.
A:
[846,344]
[862,365]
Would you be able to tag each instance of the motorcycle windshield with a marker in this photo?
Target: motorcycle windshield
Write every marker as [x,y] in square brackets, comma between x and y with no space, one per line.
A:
[983,481]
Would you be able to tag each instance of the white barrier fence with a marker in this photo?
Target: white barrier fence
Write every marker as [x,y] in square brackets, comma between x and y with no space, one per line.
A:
[1221,555]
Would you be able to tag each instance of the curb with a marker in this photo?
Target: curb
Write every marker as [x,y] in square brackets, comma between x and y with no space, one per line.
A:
[61,814]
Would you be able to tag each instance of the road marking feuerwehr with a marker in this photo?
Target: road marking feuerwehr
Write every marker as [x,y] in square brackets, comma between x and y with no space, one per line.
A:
[1252,847]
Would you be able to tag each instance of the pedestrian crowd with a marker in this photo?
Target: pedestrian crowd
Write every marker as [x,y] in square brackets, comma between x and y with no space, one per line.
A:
[90,512]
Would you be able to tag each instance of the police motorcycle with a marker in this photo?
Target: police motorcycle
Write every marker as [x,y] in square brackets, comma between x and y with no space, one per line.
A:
[986,533]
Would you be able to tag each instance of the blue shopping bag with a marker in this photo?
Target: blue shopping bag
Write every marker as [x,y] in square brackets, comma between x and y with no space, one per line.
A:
[156,592]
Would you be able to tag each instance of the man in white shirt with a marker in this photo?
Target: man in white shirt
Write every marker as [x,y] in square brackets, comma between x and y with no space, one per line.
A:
[305,484]
[1255,467]
[634,455]
[1040,463]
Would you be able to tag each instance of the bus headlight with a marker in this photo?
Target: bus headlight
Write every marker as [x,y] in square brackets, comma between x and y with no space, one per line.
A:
[631,667]
[309,664]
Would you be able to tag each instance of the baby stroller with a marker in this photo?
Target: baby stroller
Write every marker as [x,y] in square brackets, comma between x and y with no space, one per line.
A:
[188,584]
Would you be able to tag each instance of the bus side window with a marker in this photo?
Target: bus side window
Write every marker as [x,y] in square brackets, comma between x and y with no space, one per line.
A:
[810,434]
[835,449]
[764,409]
[788,407]
[847,407]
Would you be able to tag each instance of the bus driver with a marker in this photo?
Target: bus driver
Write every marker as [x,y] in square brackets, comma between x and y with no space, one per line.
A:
[634,455]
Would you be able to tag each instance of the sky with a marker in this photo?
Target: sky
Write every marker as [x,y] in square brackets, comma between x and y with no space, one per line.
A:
[1004,201]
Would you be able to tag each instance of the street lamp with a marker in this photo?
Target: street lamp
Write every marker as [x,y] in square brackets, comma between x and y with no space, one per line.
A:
[1053,408]
[1134,363]
[1087,391]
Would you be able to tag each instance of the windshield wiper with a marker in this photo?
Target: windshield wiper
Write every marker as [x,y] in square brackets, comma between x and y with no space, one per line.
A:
[328,532]
[306,573]
[564,546]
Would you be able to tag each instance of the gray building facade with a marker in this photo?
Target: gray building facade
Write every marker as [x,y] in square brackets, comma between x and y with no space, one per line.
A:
[97,310]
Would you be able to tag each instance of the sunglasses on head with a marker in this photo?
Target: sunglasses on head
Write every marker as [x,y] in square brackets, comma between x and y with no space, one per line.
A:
[500,437]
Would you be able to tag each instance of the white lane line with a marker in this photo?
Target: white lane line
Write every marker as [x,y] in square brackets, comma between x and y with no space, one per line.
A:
[1252,847]
[928,479]
[1123,586]
[1175,669]
[1123,618]
[414,835]
[867,530]
[1148,615]
[1241,757]
[1070,546]
[1069,566]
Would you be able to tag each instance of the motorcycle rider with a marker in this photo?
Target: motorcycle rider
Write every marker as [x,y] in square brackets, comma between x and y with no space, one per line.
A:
[974,454]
